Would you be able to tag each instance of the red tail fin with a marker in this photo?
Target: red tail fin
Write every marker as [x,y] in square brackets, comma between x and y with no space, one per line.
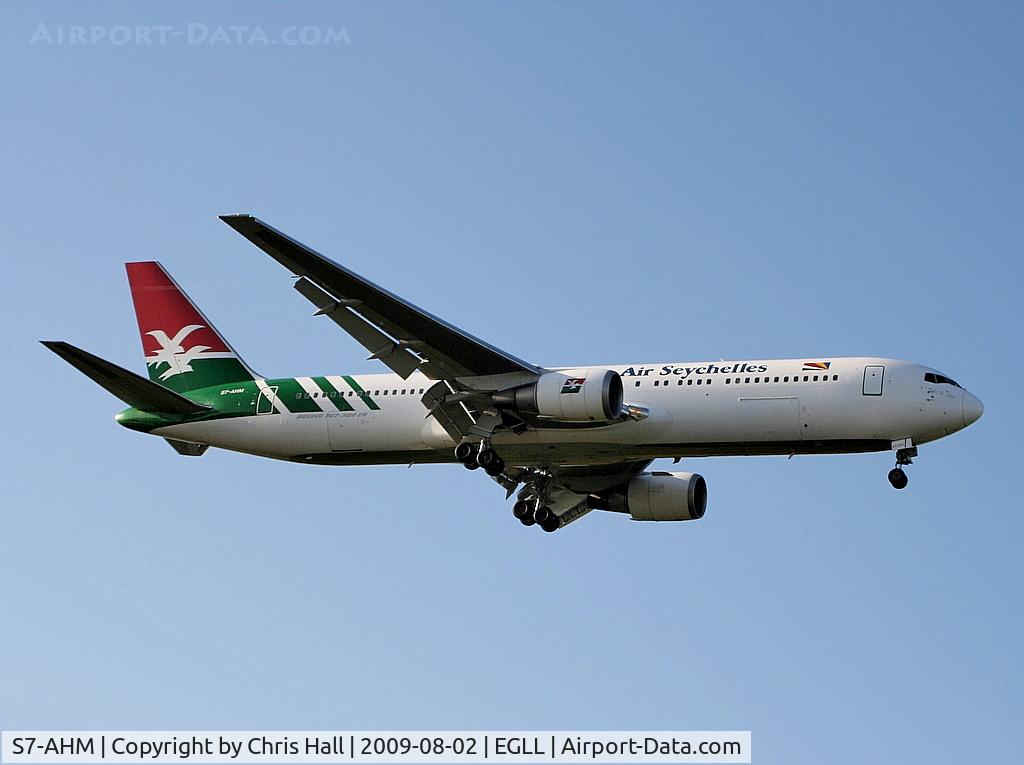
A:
[183,349]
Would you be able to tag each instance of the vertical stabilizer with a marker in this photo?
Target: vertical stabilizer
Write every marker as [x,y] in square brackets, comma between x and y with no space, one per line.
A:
[183,350]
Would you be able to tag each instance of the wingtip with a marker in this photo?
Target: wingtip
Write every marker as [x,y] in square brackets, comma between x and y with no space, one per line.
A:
[229,218]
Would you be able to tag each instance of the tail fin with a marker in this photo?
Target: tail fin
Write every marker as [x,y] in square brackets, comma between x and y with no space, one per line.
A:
[183,350]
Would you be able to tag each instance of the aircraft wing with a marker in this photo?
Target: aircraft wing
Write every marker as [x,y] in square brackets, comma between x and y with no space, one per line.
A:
[404,337]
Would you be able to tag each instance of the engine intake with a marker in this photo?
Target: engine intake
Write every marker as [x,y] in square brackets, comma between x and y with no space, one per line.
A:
[575,395]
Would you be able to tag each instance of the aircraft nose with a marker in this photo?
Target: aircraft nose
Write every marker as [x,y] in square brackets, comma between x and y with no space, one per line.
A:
[973,408]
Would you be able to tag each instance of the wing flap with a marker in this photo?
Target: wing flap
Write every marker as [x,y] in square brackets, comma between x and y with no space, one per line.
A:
[392,352]
[448,411]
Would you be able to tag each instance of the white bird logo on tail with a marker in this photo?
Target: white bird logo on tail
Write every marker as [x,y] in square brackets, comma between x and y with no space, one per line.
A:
[172,353]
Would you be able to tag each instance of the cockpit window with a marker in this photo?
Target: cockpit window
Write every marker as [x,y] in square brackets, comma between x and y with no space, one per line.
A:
[940,379]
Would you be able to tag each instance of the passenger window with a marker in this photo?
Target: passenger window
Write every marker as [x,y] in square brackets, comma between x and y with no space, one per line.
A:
[728,380]
[689,382]
[815,378]
[835,377]
[746,380]
[776,379]
[785,379]
[637,384]
[709,382]
[805,378]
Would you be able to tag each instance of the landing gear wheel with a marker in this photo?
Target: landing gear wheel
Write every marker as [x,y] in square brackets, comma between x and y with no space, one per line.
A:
[542,514]
[898,478]
[489,460]
[464,452]
[551,524]
[522,511]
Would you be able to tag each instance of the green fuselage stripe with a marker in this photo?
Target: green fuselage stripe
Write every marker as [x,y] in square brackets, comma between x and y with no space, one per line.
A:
[294,396]
[333,394]
[360,392]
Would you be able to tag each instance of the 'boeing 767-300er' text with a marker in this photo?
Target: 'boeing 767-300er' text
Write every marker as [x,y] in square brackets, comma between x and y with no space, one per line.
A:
[566,441]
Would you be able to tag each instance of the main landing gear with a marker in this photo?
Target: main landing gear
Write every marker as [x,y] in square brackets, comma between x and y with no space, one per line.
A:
[530,513]
[485,457]
[532,510]
[897,477]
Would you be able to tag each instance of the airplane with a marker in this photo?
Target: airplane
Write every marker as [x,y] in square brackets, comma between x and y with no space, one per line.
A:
[564,441]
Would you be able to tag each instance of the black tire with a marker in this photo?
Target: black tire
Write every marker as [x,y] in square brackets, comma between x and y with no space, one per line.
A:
[527,520]
[522,509]
[486,457]
[470,465]
[495,468]
[898,478]
[464,452]
[551,524]
[542,514]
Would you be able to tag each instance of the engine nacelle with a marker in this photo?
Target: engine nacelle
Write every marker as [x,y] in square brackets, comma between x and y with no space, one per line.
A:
[576,395]
[667,497]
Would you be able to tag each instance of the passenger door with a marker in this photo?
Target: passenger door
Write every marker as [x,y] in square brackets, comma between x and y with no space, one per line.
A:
[265,403]
[873,379]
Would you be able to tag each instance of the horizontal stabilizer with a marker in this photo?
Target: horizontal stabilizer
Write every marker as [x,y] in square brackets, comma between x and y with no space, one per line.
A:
[134,390]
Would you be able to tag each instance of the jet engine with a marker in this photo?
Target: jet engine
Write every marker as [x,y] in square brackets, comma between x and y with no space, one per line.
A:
[659,497]
[575,395]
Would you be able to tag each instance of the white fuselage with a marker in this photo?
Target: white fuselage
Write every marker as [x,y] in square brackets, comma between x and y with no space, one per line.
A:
[694,409]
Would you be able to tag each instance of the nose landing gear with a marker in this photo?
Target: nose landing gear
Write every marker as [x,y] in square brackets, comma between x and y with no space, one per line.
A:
[897,477]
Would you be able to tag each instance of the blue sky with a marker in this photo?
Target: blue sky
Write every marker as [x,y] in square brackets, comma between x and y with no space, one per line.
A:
[577,183]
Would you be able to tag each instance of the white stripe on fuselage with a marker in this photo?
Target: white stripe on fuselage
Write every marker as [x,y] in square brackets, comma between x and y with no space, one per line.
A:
[343,387]
[261,383]
[315,393]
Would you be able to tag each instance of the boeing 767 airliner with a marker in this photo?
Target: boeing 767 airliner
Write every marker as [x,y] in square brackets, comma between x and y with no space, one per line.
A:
[566,441]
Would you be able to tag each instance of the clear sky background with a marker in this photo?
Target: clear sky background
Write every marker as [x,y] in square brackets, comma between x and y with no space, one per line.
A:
[576,183]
